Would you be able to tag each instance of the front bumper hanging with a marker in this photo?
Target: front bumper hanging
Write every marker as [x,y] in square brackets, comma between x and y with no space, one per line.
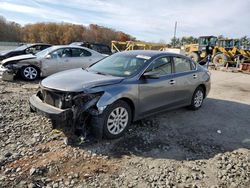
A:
[37,105]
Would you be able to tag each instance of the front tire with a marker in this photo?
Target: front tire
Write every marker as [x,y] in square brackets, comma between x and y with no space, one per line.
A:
[29,73]
[115,119]
[197,99]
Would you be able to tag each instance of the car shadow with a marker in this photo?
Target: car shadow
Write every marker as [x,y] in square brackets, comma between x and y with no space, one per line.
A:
[219,126]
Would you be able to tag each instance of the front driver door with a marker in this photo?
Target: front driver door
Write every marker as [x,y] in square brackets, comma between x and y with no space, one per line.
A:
[156,94]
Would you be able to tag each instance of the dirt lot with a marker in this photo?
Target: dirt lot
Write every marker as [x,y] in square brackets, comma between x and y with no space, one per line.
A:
[181,148]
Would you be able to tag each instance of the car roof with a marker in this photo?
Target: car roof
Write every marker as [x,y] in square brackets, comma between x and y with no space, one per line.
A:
[150,53]
[31,44]
[55,47]
[68,46]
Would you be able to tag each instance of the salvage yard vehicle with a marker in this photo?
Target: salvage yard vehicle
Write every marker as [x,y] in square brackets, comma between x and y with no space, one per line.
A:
[24,49]
[101,48]
[220,51]
[122,88]
[50,61]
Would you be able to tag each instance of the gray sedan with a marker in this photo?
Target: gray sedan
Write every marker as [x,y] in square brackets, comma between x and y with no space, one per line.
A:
[120,89]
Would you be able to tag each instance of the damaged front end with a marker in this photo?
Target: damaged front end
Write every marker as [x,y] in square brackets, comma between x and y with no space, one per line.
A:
[71,109]
[8,72]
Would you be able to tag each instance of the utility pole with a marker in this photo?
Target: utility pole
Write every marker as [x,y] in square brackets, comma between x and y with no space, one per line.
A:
[175,28]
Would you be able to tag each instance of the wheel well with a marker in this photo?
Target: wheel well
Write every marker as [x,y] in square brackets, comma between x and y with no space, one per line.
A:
[23,66]
[37,68]
[131,104]
[203,87]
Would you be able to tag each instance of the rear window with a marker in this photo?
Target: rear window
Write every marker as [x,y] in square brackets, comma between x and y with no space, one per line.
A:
[182,64]
[76,52]
[100,48]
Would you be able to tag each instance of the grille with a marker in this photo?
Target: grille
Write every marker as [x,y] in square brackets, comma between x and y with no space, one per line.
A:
[53,98]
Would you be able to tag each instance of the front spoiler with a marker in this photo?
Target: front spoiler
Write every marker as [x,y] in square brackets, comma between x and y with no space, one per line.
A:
[37,105]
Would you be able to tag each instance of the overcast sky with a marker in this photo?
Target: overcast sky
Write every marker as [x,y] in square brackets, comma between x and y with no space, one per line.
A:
[149,20]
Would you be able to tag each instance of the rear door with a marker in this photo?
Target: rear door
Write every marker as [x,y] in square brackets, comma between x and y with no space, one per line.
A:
[155,94]
[186,79]
[81,58]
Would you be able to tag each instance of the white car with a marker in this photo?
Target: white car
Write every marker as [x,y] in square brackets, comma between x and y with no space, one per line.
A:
[50,61]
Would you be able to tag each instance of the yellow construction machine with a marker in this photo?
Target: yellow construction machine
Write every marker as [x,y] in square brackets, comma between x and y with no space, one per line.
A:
[117,46]
[199,52]
[220,51]
[229,51]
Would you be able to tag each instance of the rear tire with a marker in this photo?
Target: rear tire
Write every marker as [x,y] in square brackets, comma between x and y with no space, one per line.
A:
[197,98]
[114,121]
[29,72]
[220,60]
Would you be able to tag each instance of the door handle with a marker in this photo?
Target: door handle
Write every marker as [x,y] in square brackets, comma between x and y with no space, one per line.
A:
[194,76]
[172,82]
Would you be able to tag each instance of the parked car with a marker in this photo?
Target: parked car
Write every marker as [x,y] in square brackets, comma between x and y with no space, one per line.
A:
[24,49]
[101,48]
[122,88]
[50,61]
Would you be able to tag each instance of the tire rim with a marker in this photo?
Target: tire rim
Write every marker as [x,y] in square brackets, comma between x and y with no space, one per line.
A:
[220,61]
[117,120]
[30,73]
[198,98]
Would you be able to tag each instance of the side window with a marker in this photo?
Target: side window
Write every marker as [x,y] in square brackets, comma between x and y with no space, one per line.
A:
[162,66]
[37,48]
[87,53]
[61,53]
[76,52]
[182,64]
[31,49]
[43,47]
[193,65]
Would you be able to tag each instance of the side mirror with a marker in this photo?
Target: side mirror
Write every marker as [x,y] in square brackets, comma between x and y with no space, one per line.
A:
[48,56]
[151,75]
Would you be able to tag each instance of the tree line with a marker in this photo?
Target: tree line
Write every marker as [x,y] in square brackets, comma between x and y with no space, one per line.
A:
[58,33]
[65,33]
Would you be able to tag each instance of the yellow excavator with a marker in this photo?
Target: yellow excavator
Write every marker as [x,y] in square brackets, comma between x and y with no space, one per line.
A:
[229,51]
[220,51]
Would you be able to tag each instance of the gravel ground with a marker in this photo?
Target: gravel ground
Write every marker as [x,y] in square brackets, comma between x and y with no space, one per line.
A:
[181,148]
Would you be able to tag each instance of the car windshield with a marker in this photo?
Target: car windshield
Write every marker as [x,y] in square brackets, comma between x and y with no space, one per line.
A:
[23,47]
[120,65]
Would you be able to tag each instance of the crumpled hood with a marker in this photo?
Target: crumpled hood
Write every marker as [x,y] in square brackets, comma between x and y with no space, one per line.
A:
[76,80]
[18,58]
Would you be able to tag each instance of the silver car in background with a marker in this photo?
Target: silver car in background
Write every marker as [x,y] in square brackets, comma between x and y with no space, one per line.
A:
[50,61]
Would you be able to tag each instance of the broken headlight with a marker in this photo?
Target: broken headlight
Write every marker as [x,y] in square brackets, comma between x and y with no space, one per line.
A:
[68,97]
[11,66]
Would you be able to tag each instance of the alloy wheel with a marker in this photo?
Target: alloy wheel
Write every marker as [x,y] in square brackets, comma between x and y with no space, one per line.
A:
[117,120]
[30,73]
[198,99]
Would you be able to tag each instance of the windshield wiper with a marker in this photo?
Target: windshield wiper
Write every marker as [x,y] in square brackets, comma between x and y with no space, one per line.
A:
[101,73]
